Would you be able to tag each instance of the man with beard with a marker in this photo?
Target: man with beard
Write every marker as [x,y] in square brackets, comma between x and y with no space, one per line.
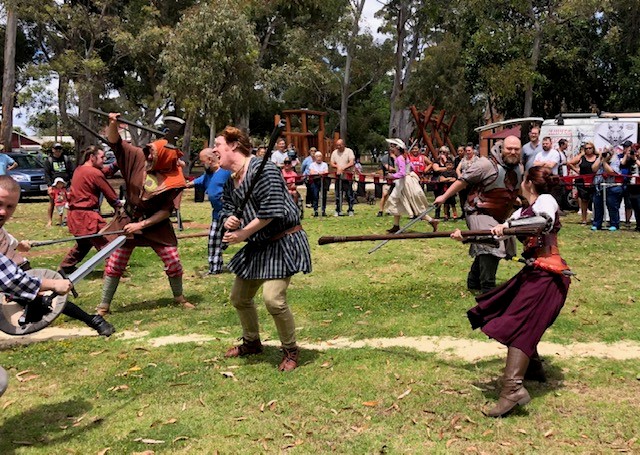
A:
[56,165]
[493,184]
[84,217]
[213,181]
[153,179]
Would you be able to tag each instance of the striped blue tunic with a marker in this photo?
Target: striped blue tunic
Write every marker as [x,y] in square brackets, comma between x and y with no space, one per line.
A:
[260,258]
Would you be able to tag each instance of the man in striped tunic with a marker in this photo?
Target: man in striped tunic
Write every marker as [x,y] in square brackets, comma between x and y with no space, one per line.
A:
[276,249]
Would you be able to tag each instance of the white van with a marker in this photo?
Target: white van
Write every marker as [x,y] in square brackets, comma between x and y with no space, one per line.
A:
[604,130]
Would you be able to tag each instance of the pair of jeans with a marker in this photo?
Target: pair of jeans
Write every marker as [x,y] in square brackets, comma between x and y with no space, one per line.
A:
[482,275]
[319,186]
[344,186]
[614,199]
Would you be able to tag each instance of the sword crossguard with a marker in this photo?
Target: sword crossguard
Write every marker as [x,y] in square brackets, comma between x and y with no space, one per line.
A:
[73,289]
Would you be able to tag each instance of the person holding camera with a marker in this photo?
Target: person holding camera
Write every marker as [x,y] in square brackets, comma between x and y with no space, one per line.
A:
[608,162]
[586,165]
[627,162]
[634,190]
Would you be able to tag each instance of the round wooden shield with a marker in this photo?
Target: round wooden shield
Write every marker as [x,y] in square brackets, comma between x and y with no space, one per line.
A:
[12,312]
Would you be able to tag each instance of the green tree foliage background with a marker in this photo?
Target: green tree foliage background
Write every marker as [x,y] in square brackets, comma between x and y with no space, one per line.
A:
[510,56]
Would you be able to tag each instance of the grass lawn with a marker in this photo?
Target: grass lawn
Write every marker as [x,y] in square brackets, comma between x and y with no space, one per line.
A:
[86,395]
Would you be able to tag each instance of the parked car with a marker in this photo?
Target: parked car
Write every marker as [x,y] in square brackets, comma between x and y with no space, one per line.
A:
[29,174]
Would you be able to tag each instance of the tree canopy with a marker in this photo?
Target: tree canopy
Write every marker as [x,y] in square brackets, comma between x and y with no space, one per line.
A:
[243,61]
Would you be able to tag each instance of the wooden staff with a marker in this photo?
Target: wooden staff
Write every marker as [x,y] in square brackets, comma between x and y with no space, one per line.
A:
[425,235]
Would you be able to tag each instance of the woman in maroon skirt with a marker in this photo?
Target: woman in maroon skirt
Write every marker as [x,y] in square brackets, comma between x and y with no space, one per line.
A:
[517,313]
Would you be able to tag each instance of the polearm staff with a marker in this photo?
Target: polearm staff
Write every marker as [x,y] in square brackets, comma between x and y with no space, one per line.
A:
[485,233]
[88,129]
[129,122]
[72,239]
[275,135]
[35,244]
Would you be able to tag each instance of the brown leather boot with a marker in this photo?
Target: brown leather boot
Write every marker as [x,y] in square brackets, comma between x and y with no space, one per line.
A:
[535,371]
[248,347]
[289,359]
[513,392]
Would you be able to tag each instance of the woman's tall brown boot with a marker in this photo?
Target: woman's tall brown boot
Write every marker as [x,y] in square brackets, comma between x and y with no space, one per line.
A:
[513,392]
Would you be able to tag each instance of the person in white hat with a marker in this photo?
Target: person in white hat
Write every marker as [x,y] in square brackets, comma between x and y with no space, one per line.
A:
[407,197]
[60,197]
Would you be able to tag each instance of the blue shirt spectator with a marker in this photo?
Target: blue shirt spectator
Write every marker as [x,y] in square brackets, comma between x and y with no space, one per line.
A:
[213,182]
[304,167]
[6,163]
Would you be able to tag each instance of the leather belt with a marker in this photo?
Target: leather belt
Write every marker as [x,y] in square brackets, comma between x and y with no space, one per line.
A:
[283,234]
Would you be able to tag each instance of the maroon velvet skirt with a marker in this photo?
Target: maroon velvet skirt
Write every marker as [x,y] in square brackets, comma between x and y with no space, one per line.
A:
[518,312]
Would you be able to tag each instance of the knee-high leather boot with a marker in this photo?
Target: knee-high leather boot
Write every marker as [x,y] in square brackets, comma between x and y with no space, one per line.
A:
[513,392]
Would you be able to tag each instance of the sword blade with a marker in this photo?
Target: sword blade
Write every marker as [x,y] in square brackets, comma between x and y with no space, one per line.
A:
[101,255]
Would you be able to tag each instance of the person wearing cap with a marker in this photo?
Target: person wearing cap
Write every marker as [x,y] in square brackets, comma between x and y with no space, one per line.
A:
[407,197]
[6,163]
[56,165]
[154,179]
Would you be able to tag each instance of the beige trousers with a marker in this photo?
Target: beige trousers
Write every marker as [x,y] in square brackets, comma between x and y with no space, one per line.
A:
[274,293]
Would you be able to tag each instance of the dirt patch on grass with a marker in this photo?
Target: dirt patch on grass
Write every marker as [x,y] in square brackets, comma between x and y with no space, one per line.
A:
[178,339]
[470,350]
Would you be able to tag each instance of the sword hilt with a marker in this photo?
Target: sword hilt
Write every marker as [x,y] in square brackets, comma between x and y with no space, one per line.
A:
[73,289]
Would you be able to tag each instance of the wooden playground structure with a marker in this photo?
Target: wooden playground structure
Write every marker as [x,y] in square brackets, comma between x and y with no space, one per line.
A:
[304,129]
[433,129]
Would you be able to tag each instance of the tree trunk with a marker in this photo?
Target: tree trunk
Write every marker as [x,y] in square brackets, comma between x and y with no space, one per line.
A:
[358,6]
[9,75]
[535,58]
[212,131]
[395,117]
[186,140]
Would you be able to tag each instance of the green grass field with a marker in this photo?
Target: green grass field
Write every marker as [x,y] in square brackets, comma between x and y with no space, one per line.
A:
[87,395]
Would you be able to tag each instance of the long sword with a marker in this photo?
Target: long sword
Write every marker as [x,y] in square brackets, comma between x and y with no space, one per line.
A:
[87,267]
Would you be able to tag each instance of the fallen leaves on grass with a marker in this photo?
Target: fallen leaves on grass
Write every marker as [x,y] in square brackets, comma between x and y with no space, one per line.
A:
[118,388]
[371,404]
[26,376]
[149,441]
[228,374]
[548,434]
[7,404]
[404,394]
[104,451]
[271,405]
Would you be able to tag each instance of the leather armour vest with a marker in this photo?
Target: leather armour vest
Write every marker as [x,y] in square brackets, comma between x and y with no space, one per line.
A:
[496,198]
